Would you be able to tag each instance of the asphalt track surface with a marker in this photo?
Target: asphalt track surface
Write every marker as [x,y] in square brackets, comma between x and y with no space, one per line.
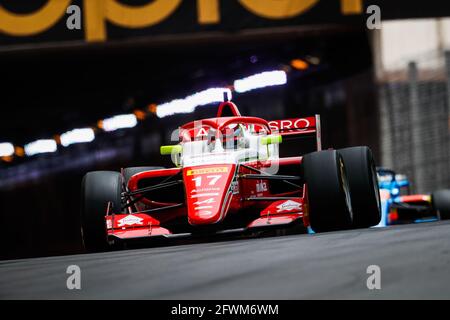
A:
[414,262]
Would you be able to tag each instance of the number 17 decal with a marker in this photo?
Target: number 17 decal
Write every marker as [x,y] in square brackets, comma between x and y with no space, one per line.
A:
[213,180]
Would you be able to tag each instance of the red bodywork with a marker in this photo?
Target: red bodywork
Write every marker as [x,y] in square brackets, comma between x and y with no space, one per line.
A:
[221,196]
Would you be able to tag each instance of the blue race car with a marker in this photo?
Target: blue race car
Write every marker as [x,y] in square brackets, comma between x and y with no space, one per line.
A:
[398,206]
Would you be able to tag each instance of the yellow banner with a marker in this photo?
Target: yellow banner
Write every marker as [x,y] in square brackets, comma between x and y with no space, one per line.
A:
[207,170]
[95,15]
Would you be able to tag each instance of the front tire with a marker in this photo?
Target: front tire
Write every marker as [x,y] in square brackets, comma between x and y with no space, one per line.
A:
[328,191]
[131,171]
[441,203]
[97,189]
[365,194]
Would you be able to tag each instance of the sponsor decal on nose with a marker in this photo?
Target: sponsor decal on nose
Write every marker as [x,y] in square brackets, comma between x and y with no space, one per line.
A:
[130,220]
[289,205]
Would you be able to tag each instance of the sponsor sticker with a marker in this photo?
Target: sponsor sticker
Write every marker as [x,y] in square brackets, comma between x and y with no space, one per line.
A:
[289,205]
[261,186]
[207,170]
[300,124]
[130,220]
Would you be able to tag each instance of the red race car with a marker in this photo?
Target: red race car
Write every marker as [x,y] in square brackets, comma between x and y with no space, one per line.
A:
[234,173]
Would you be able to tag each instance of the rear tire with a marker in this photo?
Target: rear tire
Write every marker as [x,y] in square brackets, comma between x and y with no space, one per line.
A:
[362,178]
[441,203]
[97,189]
[328,191]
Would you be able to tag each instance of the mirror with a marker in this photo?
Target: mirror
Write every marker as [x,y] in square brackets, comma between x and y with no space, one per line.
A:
[271,139]
[168,150]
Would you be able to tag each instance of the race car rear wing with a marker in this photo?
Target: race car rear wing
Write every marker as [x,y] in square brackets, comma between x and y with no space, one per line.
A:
[298,129]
